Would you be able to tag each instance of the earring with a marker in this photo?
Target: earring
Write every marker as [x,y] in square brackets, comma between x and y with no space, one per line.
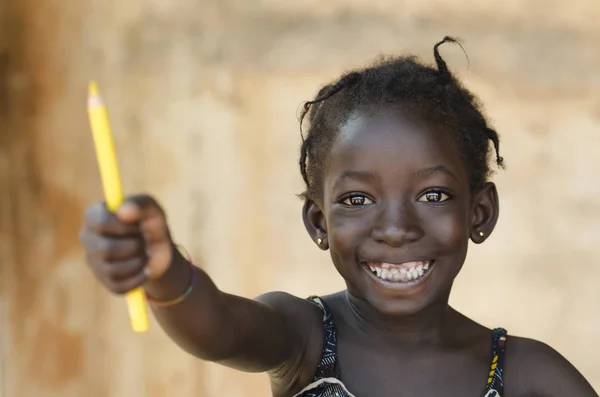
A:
[481,234]
[319,241]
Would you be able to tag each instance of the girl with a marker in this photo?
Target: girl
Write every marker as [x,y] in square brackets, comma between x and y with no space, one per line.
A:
[395,162]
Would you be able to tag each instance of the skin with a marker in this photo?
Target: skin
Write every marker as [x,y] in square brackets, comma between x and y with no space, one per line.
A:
[395,190]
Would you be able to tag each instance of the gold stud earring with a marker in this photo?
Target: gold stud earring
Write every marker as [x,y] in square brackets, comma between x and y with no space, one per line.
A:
[481,234]
[319,241]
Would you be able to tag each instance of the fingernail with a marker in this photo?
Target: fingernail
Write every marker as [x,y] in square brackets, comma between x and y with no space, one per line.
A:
[127,206]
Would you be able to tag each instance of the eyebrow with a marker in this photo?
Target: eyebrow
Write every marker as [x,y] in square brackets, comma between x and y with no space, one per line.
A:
[438,169]
[356,175]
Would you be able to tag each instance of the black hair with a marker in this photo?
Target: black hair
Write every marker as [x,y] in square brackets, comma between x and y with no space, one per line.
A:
[397,82]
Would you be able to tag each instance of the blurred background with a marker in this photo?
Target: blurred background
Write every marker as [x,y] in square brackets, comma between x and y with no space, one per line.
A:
[203,96]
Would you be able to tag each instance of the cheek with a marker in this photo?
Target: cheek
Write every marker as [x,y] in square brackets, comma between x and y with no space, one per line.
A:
[344,235]
[450,230]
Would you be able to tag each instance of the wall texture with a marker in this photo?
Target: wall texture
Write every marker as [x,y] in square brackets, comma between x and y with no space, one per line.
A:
[203,97]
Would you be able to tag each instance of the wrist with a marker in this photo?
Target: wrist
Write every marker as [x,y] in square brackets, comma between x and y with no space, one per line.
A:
[174,282]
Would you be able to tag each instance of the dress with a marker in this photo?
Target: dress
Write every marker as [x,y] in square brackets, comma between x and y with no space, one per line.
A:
[327,383]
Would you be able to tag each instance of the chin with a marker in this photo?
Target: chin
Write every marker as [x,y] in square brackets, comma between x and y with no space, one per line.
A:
[398,307]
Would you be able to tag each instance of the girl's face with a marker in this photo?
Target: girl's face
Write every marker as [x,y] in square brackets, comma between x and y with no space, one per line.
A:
[397,211]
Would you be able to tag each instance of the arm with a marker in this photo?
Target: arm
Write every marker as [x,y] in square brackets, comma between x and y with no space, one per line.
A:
[249,335]
[133,248]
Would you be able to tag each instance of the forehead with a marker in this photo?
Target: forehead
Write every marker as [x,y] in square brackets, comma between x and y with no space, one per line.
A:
[389,141]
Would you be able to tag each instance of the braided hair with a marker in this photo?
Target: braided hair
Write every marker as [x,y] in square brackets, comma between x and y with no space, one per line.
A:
[397,82]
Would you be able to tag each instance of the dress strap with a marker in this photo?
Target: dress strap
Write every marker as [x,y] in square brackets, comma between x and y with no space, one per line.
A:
[495,382]
[329,365]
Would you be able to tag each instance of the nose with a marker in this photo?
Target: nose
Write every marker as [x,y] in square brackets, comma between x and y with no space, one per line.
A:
[397,224]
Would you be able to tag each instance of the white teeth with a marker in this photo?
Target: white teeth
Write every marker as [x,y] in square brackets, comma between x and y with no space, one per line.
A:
[400,273]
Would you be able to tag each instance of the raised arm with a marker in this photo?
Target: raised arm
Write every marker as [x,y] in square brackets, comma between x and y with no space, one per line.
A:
[134,247]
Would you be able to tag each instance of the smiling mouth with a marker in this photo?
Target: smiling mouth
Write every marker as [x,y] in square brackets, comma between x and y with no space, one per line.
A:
[407,272]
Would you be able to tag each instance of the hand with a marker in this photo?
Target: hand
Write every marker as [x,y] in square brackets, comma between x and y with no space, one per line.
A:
[127,248]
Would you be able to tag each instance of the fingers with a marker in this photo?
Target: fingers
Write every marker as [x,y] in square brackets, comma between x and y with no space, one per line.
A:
[100,220]
[120,264]
[138,213]
[129,284]
[120,276]
[126,247]
[122,270]
[126,285]
[112,248]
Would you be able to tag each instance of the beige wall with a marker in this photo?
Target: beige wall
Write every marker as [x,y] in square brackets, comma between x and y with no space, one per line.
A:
[203,96]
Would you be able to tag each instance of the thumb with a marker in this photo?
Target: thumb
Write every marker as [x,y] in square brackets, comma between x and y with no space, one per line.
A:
[151,218]
[129,212]
[145,210]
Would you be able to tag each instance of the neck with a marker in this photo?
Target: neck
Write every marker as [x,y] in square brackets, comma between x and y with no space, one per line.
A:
[429,326]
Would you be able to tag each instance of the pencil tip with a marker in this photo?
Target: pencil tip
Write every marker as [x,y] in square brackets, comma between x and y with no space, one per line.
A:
[93,89]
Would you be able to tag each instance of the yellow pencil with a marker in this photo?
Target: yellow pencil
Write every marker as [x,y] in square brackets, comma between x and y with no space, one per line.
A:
[111,181]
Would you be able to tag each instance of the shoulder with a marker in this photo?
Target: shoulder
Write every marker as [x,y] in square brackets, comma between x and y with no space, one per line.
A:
[296,308]
[305,320]
[303,316]
[533,368]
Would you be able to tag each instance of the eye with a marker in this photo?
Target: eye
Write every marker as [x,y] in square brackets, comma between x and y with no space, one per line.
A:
[434,196]
[356,200]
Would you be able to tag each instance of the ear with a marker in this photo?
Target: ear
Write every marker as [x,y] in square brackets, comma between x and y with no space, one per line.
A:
[484,213]
[314,221]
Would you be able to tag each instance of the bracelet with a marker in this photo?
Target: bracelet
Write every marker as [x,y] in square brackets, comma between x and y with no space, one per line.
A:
[180,298]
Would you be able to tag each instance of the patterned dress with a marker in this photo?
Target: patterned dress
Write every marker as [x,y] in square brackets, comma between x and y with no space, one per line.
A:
[327,383]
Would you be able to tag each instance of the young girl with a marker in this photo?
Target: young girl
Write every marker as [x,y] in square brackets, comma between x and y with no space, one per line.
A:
[395,162]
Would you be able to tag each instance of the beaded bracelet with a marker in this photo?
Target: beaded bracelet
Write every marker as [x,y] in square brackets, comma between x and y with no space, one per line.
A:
[180,298]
